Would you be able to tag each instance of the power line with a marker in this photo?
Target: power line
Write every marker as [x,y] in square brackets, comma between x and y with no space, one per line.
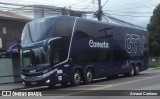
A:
[11,4]
[130,8]
[130,12]
[134,3]
[123,22]
[105,3]
[77,3]
[128,15]
[87,5]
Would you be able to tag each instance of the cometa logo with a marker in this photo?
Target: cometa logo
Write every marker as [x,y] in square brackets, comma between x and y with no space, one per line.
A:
[93,44]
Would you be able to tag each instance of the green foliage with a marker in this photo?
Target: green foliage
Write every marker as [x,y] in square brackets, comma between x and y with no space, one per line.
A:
[154,48]
[154,31]
[154,65]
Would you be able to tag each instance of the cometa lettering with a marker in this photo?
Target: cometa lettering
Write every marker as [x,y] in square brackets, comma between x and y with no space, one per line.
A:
[93,44]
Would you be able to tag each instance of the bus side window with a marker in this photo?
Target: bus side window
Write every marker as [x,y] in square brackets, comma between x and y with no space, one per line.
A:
[56,56]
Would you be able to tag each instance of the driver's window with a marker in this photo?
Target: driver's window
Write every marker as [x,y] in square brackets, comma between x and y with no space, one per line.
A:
[56,56]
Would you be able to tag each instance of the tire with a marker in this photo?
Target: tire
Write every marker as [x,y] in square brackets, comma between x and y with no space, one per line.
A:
[131,71]
[137,69]
[76,80]
[88,76]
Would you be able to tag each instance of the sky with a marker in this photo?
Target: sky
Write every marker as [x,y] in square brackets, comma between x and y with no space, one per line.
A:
[134,11]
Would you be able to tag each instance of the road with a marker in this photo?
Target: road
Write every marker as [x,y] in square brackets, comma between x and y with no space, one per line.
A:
[147,81]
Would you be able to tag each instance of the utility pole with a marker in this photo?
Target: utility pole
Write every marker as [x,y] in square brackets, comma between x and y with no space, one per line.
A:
[99,12]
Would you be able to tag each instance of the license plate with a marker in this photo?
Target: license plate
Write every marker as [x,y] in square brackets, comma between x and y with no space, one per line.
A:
[33,83]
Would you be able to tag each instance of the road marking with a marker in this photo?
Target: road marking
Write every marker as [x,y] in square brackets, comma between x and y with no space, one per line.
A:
[114,85]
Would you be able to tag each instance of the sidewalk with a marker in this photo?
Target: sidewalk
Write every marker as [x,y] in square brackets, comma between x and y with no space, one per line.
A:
[153,68]
[11,86]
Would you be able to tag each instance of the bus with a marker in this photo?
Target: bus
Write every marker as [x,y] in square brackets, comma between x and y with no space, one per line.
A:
[67,49]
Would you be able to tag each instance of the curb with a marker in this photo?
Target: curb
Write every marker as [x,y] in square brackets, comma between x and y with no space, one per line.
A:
[153,68]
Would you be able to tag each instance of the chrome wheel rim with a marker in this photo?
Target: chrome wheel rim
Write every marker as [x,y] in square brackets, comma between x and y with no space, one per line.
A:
[89,76]
[77,78]
[132,71]
[137,70]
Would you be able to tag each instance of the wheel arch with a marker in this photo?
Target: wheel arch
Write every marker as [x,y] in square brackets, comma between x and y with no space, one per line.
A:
[80,70]
[139,65]
[90,67]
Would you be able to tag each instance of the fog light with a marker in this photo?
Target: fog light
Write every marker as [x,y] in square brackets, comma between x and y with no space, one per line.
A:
[47,81]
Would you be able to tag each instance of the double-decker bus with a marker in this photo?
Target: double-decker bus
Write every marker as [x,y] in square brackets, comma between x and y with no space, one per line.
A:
[65,49]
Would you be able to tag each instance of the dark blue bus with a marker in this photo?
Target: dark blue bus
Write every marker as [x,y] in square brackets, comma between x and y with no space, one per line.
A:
[65,49]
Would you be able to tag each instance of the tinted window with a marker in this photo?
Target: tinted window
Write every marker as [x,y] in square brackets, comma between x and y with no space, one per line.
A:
[85,31]
[92,55]
[59,50]
[92,29]
[38,30]
[63,27]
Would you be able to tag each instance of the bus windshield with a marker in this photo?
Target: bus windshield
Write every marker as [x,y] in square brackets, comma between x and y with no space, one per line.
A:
[36,57]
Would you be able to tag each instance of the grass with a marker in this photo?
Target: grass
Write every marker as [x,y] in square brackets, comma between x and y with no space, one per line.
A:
[154,65]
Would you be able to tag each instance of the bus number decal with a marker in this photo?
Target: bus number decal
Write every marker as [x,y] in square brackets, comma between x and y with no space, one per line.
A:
[134,43]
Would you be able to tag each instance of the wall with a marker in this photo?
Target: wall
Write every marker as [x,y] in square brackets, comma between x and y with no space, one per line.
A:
[6,70]
[11,33]
[10,70]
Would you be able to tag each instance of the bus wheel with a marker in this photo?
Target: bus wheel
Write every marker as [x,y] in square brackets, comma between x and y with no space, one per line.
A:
[131,71]
[137,70]
[76,78]
[88,76]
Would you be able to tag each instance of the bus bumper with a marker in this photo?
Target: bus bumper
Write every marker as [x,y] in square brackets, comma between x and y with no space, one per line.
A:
[41,82]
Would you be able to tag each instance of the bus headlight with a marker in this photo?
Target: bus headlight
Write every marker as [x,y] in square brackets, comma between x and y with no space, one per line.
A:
[47,81]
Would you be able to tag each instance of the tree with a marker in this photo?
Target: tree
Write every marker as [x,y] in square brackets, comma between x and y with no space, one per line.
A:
[154,32]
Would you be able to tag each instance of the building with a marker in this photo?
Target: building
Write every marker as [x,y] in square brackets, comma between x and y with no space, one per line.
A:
[40,11]
[11,26]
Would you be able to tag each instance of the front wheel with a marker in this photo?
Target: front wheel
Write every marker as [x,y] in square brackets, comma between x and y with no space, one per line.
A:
[88,76]
[76,78]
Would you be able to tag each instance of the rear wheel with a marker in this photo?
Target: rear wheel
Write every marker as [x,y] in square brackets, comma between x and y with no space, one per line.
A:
[137,69]
[131,71]
[76,78]
[88,76]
